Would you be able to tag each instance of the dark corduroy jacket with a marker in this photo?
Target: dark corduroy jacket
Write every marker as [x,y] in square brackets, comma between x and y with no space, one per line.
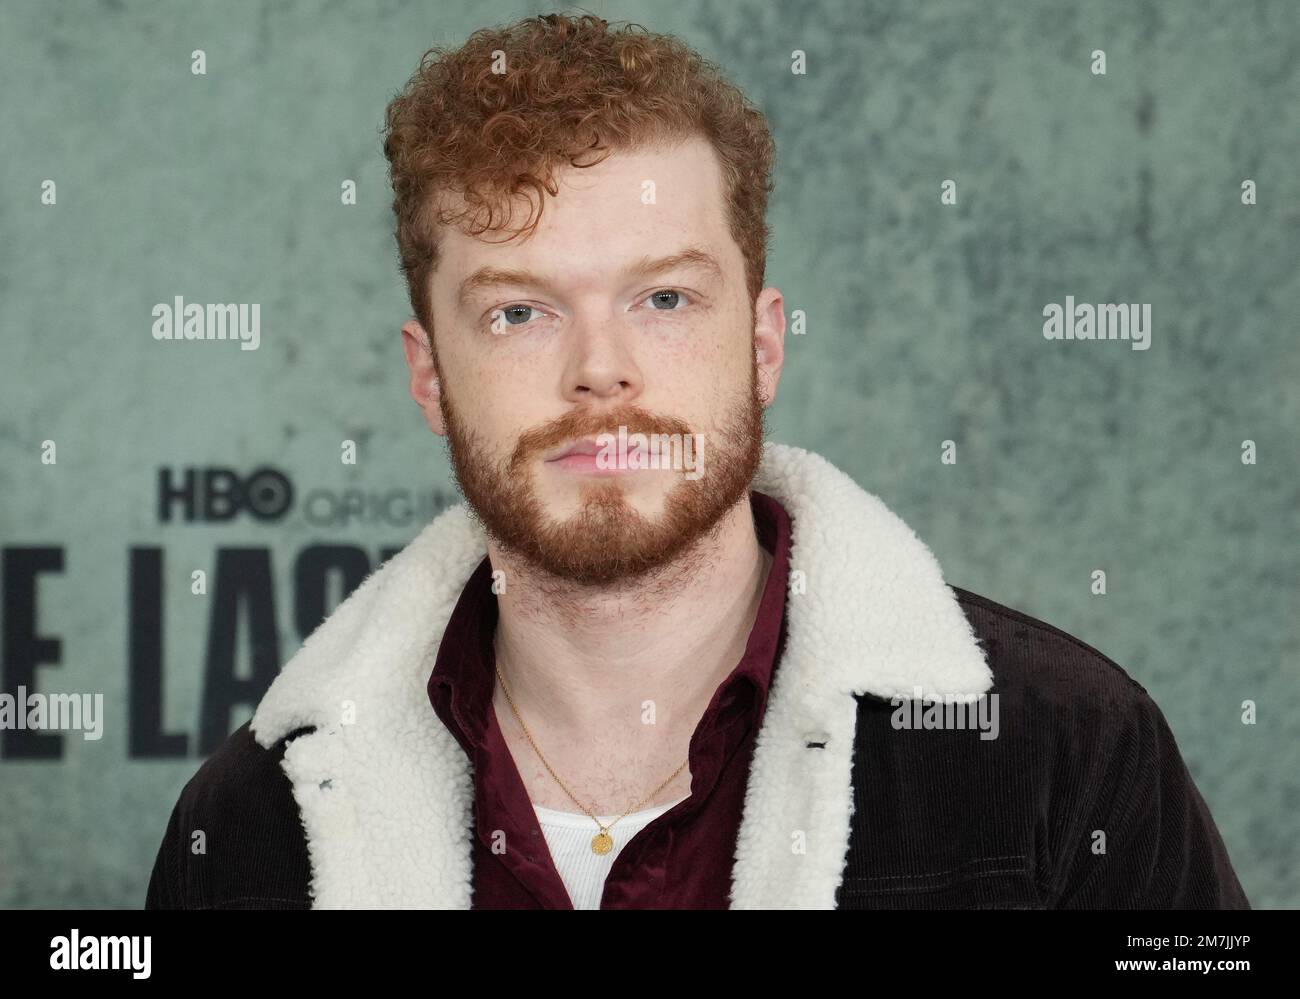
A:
[346,790]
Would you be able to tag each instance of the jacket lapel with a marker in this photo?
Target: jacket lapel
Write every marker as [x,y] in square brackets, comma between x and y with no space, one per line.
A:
[386,792]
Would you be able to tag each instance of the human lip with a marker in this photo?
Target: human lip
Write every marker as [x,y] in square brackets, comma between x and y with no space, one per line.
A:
[587,446]
[582,456]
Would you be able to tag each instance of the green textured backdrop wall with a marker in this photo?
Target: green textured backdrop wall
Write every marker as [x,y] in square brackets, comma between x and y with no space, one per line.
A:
[924,324]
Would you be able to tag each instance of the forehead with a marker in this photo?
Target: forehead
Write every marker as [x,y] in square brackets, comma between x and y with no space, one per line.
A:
[648,201]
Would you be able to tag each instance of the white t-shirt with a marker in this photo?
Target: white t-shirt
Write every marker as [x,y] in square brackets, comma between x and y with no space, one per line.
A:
[568,836]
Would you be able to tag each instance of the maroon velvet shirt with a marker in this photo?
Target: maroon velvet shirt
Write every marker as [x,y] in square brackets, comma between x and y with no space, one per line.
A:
[682,859]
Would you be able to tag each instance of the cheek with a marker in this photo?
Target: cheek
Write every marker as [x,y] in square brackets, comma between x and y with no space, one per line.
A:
[509,403]
[714,349]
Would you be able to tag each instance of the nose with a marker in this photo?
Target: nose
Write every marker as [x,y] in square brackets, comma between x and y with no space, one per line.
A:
[600,366]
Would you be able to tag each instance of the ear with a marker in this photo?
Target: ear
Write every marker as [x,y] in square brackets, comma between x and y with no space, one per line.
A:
[769,341]
[425,387]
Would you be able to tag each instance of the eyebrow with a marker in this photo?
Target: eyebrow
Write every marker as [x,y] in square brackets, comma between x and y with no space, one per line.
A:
[487,277]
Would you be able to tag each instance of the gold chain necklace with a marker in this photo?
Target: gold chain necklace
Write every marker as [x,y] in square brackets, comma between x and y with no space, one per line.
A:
[602,842]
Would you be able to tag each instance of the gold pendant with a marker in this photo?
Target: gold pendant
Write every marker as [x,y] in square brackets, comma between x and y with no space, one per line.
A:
[602,843]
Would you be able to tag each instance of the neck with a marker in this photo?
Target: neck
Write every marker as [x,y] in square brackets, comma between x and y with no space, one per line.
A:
[581,662]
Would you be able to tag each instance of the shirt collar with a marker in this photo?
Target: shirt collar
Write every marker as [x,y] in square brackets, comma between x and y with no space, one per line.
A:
[463,679]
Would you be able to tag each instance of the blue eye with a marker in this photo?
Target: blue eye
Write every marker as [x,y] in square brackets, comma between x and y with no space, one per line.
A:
[664,300]
[673,297]
[501,318]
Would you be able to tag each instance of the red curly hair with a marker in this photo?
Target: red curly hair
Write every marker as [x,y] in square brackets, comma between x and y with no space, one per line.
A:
[572,87]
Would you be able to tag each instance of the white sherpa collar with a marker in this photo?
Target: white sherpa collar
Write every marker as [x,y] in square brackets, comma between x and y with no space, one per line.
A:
[385,791]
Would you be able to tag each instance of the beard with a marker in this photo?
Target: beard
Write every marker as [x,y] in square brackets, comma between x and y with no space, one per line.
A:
[606,540]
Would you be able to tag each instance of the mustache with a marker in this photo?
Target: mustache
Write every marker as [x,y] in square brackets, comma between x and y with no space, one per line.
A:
[574,425]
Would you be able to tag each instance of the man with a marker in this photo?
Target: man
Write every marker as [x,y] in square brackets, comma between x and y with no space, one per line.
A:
[730,679]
